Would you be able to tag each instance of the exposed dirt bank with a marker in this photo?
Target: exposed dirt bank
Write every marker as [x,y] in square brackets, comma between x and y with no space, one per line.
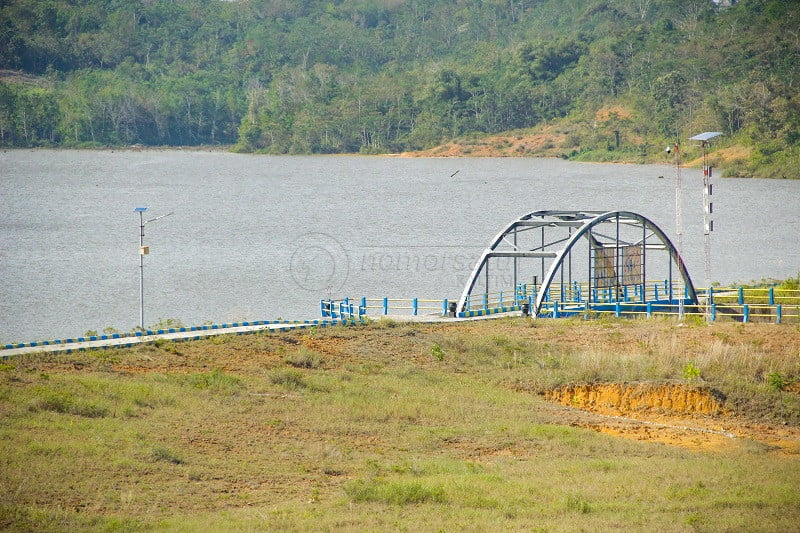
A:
[566,139]
[676,414]
[624,399]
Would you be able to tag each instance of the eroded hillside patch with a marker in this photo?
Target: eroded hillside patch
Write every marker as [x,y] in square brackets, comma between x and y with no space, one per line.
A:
[621,399]
[689,416]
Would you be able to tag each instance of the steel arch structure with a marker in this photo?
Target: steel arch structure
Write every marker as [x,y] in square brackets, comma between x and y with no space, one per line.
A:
[622,248]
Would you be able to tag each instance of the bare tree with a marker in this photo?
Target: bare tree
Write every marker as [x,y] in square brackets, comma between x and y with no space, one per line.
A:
[642,7]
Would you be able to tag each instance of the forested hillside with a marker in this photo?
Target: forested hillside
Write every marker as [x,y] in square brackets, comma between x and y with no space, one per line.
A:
[618,78]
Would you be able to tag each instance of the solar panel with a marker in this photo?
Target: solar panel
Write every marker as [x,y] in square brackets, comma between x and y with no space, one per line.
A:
[705,136]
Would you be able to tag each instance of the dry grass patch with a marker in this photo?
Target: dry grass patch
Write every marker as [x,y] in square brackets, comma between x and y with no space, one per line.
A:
[371,428]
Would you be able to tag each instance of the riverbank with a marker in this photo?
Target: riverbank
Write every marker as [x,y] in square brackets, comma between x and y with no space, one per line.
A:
[609,136]
[548,141]
[506,423]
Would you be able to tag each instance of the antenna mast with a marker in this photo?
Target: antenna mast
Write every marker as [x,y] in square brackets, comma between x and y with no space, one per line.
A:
[678,198]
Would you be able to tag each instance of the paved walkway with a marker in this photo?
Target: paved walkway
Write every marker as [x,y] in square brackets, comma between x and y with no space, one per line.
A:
[195,333]
[209,331]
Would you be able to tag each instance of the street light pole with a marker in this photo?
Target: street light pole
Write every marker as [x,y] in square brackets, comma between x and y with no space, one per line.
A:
[141,211]
[708,208]
[143,250]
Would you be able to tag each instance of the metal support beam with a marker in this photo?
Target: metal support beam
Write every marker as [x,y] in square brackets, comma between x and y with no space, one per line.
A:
[598,232]
[546,255]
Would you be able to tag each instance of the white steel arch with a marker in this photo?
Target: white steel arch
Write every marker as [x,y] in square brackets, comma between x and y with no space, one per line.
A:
[613,237]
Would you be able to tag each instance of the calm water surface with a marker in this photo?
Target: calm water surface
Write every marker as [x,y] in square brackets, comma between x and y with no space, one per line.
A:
[262,237]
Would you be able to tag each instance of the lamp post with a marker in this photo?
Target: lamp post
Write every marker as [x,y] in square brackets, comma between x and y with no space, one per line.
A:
[708,206]
[143,250]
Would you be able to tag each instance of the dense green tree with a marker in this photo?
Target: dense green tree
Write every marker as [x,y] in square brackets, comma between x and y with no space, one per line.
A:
[333,76]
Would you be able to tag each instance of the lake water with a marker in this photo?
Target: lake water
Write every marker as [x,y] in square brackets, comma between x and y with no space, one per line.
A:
[263,237]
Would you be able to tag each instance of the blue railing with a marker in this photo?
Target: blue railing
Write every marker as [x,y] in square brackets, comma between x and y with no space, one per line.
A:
[646,300]
[74,343]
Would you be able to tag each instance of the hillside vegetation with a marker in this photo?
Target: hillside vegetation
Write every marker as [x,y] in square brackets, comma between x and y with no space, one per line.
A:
[598,80]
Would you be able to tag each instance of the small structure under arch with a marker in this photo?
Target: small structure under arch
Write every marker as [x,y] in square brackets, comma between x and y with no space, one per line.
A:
[576,260]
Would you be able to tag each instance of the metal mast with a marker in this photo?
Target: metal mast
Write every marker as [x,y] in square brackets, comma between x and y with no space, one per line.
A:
[144,250]
[708,206]
[678,198]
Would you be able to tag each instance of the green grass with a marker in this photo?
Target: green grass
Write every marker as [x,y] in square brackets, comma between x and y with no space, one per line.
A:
[233,437]
[393,492]
[216,381]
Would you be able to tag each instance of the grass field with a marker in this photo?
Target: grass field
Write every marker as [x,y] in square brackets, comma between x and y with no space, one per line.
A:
[409,427]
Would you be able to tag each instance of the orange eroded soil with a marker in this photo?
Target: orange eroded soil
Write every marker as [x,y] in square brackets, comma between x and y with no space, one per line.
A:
[548,143]
[683,415]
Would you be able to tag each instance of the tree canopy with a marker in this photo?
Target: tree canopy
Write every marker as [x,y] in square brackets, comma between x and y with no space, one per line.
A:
[376,76]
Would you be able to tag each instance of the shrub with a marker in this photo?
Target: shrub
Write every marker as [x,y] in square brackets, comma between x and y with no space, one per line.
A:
[289,378]
[303,358]
[216,381]
[577,503]
[437,352]
[55,402]
[166,323]
[384,323]
[790,284]
[779,381]
[161,453]
[691,372]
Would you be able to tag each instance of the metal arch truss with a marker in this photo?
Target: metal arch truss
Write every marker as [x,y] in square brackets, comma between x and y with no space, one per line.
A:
[615,249]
